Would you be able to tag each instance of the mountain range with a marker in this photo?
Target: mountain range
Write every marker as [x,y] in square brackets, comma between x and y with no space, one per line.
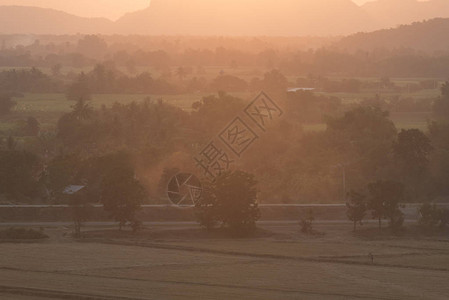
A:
[230,17]
[428,36]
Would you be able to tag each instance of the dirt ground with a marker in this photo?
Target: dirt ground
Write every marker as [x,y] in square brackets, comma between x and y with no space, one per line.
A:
[170,262]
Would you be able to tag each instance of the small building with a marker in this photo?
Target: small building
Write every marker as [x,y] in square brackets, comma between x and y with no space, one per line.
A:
[294,90]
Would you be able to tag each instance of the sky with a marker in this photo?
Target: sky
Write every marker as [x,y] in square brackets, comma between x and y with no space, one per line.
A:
[111,9]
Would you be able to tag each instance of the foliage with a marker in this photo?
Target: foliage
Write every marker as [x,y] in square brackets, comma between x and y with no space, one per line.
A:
[79,90]
[432,217]
[411,153]
[306,106]
[306,222]
[21,234]
[81,211]
[6,104]
[19,174]
[384,201]
[429,216]
[167,175]
[230,201]
[412,150]
[441,105]
[121,193]
[32,127]
[228,83]
[356,207]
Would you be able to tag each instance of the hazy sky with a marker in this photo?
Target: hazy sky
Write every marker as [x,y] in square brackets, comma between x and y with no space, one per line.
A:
[111,9]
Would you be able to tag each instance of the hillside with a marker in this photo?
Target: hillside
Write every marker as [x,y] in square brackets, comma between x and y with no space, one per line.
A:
[250,17]
[230,17]
[391,13]
[426,36]
[25,20]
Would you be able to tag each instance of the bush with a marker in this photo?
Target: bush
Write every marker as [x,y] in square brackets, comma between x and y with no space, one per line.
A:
[432,217]
[306,222]
[22,234]
[6,104]
[429,216]
[230,201]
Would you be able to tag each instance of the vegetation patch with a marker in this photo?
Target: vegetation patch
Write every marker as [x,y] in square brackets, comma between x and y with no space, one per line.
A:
[22,234]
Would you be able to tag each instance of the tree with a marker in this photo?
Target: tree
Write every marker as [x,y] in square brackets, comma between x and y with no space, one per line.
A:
[306,222]
[181,72]
[80,89]
[384,201]
[80,211]
[412,150]
[6,104]
[32,127]
[429,216]
[166,175]
[121,193]
[356,208]
[441,105]
[273,82]
[19,172]
[232,201]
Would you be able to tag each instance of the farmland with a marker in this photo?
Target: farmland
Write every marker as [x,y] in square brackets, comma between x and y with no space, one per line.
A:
[48,108]
[183,263]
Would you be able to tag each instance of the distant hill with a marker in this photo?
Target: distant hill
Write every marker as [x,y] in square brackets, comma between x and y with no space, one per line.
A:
[427,36]
[25,20]
[231,17]
[391,13]
[248,17]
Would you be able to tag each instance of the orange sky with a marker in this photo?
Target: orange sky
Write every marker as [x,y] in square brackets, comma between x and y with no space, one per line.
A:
[111,9]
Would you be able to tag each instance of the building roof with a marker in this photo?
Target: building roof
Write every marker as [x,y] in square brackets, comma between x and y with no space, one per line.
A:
[73,189]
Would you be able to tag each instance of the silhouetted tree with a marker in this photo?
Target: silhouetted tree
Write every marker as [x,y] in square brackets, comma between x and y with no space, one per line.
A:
[80,89]
[306,221]
[356,207]
[32,127]
[121,193]
[232,201]
[384,201]
[6,104]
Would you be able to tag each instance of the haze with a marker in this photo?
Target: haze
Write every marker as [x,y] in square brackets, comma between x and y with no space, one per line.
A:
[111,9]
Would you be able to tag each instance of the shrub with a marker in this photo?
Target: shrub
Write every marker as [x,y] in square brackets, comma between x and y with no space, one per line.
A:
[22,234]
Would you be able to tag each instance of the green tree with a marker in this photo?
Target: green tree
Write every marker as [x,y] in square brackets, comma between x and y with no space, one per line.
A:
[19,174]
[384,201]
[412,150]
[122,194]
[6,104]
[32,127]
[232,201]
[429,216]
[80,89]
[81,211]
[356,207]
[441,105]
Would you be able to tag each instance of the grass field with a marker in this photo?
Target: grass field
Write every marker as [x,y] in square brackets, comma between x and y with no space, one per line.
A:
[280,265]
[47,108]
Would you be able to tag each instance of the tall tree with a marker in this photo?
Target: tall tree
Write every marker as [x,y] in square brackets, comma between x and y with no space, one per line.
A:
[412,150]
[121,193]
[80,89]
[232,201]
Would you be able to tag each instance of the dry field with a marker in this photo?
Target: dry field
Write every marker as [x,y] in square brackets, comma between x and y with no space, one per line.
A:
[183,263]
